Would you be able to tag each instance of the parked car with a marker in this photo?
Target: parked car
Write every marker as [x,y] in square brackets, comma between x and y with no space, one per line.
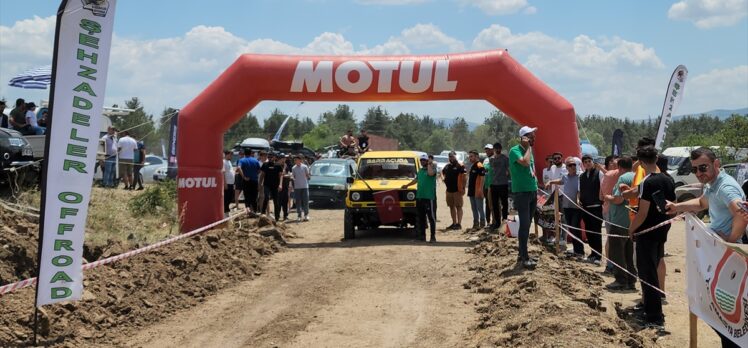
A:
[462,156]
[160,174]
[15,152]
[152,163]
[328,184]
[441,162]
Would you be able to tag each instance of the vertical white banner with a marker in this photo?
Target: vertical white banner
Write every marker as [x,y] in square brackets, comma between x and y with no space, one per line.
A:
[82,44]
[716,274]
[673,97]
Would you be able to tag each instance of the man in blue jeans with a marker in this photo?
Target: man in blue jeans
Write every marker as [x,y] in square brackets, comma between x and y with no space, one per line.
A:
[110,158]
[524,189]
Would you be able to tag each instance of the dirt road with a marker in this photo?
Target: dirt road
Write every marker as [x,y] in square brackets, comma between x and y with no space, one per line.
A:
[382,289]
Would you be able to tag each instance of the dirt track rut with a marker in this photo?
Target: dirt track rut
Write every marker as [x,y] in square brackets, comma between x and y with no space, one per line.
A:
[381,290]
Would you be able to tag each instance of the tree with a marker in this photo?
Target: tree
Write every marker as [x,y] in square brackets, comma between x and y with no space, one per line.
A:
[376,120]
[138,123]
[273,122]
[460,133]
[438,141]
[164,124]
[320,137]
[735,133]
[340,120]
[297,128]
[247,127]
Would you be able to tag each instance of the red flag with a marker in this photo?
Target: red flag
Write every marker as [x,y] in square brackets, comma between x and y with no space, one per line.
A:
[388,206]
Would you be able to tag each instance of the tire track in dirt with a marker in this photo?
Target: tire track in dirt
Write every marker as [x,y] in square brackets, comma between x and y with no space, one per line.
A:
[381,290]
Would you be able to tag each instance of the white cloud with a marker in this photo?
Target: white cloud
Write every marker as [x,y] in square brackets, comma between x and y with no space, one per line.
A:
[717,89]
[610,76]
[501,7]
[707,14]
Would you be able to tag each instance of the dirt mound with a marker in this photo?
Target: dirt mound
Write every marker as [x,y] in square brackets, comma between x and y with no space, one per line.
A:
[130,294]
[559,304]
[18,239]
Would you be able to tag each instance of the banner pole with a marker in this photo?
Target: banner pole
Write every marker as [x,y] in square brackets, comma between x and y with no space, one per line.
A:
[36,322]
[692,330]
[557,217]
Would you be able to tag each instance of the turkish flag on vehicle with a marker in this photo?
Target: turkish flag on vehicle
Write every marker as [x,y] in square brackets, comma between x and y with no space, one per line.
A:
[388,206]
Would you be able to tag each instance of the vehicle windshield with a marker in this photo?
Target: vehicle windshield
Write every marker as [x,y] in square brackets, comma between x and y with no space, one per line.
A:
[387,168]
[322,168]
[673,162]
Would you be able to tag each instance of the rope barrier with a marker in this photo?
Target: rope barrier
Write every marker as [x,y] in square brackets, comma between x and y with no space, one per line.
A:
[593,232]
[602,257]
[5,289]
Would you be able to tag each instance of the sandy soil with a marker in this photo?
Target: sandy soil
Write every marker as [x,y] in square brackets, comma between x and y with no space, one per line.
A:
[676,311]
[382,289]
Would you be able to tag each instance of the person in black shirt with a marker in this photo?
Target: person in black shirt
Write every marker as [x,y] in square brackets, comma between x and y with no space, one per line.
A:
[589,197]
[271,175]
[654,191]
[363,142]
[454,180]
[283,194]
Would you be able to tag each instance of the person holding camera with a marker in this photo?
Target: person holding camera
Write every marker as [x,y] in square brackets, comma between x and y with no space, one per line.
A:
[654,191]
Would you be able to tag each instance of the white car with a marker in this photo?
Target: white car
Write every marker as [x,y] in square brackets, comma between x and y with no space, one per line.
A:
[152,163]
[441,162]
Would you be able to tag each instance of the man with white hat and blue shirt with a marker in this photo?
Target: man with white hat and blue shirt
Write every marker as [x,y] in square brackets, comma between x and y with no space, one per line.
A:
[524,190]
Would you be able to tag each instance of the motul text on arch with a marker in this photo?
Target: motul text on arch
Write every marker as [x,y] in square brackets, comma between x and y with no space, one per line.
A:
[204,182]
[432,76]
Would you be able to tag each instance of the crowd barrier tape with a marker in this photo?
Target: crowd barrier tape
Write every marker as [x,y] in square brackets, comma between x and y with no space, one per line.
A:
[666,222]
[5,289]
[602,257]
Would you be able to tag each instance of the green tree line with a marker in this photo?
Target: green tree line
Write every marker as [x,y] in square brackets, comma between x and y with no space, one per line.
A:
[424,133]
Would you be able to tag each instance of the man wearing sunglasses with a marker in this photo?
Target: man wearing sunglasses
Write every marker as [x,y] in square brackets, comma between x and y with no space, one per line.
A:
[722,196]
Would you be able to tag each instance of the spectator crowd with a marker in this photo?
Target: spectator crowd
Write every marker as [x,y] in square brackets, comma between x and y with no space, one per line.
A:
[632,196]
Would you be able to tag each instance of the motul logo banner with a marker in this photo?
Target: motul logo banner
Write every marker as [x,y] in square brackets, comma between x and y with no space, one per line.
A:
[356,76]
[205,182]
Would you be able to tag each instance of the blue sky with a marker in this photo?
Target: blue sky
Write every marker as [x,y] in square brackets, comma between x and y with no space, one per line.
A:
[606,57]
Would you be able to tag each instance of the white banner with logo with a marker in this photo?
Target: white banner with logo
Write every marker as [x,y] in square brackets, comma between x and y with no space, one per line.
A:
[82,44]
[673,97]
[716,276]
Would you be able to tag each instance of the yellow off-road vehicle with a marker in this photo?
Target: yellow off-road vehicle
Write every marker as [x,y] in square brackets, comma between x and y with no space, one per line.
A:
[380,171]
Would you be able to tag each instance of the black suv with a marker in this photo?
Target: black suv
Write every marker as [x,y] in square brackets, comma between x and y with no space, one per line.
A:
[15,151]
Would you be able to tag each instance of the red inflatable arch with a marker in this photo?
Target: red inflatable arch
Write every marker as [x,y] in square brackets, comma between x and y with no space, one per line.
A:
[492,75]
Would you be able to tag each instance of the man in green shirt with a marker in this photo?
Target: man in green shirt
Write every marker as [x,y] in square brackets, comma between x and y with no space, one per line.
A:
[621,250]
[524,189]
[425,197]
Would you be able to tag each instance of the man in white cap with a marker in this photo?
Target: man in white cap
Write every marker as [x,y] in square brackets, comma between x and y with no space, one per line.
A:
[524,189]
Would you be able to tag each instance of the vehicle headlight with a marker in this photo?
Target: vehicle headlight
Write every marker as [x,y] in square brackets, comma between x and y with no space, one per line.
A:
[355,196]
[410,196]
[339,187]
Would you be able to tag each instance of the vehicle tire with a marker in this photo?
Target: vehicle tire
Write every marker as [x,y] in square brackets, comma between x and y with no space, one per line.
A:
[349,230]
